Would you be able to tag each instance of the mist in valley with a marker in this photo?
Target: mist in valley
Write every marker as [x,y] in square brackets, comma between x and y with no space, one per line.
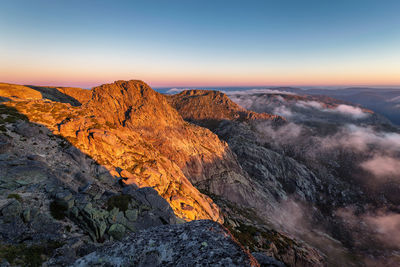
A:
[350,147]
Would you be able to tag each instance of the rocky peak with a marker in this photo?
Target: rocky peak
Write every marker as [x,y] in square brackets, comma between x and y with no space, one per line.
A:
[208,107]
[132,103]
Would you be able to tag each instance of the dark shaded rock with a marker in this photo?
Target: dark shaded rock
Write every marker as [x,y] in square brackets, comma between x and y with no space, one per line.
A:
[197,243]
[117,231]
[22,173]
[35,158]
[26,130]
[5,145]
[149,199]
[26,215]
[64,199]
[12,211]
[266,261]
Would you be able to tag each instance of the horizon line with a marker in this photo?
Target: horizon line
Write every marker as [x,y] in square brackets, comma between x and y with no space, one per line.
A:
[63,84]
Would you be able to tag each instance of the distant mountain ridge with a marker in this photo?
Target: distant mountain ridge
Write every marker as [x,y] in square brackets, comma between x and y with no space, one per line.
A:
[212,107]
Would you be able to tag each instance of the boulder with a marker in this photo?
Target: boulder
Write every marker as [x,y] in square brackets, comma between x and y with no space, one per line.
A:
[12,211]
[117,231]
[266,261]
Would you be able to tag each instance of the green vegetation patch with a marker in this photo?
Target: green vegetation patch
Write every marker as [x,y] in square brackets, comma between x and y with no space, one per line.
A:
[119,201]
[246,235]
[15,196]
[24,255]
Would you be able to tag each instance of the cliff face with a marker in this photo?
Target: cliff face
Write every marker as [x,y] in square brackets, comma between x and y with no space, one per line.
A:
[133,104]
[132,131]
[209,108]
[310,170]
[266,178]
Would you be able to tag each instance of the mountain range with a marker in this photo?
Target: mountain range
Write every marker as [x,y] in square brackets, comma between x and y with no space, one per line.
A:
[124,175]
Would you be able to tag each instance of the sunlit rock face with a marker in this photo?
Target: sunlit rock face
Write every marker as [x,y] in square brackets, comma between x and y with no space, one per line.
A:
[132,131]
[209,108]
[58,203]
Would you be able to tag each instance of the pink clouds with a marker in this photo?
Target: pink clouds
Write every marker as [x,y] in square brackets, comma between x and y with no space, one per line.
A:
[382,166]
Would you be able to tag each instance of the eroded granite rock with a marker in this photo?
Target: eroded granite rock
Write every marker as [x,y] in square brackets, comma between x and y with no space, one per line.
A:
[196,243]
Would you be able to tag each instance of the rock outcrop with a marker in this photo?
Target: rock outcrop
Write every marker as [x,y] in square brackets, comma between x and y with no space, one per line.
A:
[132,131]
[53,196]
[14,91]
[72,95]
[197,243]
[208,108]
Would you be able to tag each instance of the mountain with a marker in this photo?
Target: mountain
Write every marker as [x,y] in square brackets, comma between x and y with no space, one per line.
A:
[209,108]
[121,173]
[319,168]
[91,165]
[71,170]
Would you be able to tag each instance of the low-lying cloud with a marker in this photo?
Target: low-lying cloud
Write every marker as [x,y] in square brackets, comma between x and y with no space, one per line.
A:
[372,151]
[279,105]
[383,226]
[178,90]
[309,104]
[342,109]
[283,111]
[362,138]
[344,150]
[258,91]
[355,112]
[387,226]
[382,166]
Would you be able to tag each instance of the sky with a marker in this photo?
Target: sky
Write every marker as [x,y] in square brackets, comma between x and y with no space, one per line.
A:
[201,43]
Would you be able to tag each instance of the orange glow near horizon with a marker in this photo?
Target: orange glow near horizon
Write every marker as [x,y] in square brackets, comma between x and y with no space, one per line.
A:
[199,84]
[220,80]
[171,44]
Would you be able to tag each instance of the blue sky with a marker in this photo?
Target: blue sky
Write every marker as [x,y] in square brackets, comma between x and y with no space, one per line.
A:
[201,43]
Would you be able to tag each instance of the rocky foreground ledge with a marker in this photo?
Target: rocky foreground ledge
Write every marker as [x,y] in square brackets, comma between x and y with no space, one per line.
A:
[196,243]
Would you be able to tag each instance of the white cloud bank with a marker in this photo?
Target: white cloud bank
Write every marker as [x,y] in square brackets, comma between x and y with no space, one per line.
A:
[342,109]
[258,91]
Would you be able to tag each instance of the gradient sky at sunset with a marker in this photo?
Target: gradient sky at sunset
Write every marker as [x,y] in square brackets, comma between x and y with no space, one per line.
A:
[200,43]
